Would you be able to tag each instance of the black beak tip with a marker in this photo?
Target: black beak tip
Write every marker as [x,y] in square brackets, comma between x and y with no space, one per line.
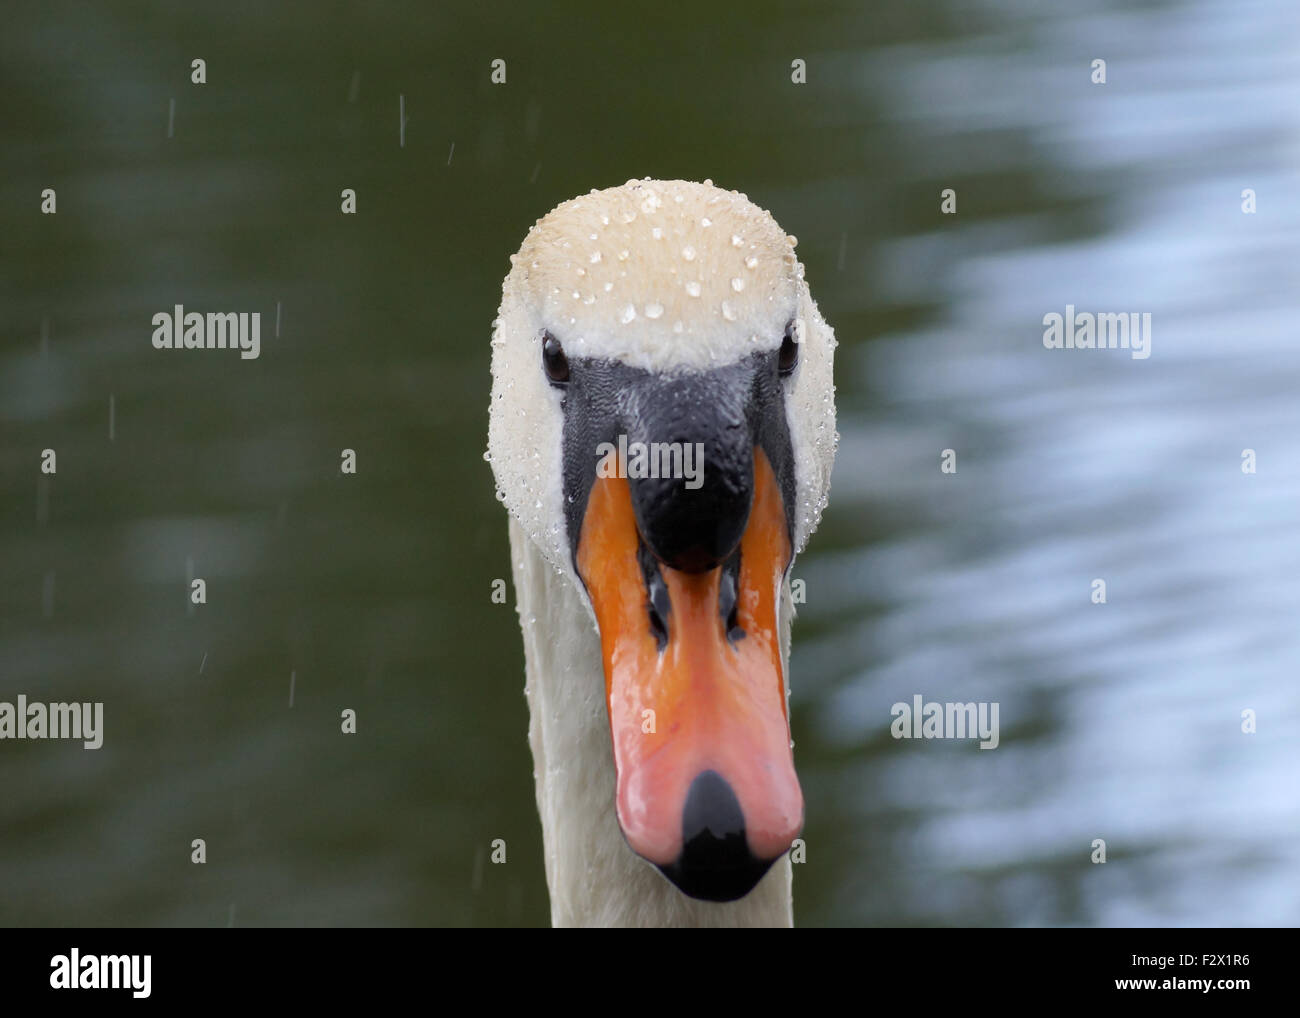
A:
[716,863]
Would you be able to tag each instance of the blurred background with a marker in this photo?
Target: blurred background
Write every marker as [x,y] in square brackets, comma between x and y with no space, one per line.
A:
[1119,721]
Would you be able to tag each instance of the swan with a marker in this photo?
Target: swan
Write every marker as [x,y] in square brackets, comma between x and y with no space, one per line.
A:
[639,324]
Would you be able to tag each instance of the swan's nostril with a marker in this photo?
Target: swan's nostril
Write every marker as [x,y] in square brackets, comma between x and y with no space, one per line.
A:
[716,863]
[728,598]
[658,603]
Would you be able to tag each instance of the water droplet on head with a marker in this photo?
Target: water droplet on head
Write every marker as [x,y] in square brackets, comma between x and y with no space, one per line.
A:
[706,222]
[727,312]
[688,253]
[628,314]
[595,257]
[693,288]
[751,262]
[657,233]
[654,310]
[737,240]
[737,284]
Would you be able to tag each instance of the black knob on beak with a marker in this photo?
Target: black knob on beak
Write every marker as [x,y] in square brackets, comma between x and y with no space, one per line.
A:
[694,427]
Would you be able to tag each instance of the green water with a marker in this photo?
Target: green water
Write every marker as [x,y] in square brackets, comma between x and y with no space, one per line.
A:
[371,591]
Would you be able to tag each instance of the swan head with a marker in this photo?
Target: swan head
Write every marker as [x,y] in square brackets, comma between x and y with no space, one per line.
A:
[662,427]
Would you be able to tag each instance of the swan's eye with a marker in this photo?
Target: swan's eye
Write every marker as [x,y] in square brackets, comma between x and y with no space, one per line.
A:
[553,359]
[789,355]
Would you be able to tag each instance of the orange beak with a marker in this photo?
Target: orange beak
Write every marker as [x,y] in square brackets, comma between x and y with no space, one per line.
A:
[706,786]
